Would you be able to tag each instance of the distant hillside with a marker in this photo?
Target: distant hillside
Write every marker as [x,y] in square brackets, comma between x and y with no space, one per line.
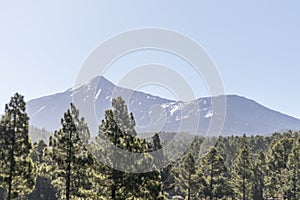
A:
[37,134]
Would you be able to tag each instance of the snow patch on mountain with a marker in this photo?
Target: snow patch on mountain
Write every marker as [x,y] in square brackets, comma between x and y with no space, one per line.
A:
[209,114]
[98,93]
[39,110]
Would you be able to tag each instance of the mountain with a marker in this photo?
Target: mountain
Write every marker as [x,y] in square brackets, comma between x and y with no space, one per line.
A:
[153,113]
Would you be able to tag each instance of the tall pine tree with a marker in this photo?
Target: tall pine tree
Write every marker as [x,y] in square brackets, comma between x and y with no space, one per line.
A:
[17,171]
[118,128]
[243,171]
[293,166]
[216,175]
[71,164]
[277,173]
[184,176]
[259,171]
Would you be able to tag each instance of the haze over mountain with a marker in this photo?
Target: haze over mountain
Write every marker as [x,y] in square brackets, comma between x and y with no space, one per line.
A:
[153,113]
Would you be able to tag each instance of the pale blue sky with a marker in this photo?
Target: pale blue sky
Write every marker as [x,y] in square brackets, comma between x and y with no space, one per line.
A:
[255,44]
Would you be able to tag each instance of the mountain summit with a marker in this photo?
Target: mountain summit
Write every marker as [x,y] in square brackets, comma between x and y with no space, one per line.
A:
[153,113]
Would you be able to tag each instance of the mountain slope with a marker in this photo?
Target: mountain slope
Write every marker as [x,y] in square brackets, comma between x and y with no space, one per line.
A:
[153,113]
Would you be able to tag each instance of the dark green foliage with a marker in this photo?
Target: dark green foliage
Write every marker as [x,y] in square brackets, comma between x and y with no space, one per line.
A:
[243,171]
[184,176]
[109,129]
[118,128]
[17,171]
[166,178]
[228,146]
[124,120]
[293,166]
[259,172]
[69,162]
[277,173]
[38,151]
[216,176]
[43,187]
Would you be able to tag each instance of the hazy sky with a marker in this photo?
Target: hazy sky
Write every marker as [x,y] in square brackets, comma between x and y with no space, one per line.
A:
[255,44]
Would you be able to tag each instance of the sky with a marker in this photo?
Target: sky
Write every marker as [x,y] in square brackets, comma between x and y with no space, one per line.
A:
[254,44]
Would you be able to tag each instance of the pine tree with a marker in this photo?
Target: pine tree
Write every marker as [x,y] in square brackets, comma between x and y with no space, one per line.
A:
[125,121]
[200,185]
[71,164]
[17,171]
[243,171]
[293,166]
[216,176]
[43,187]
[156,146]
[184,175]
[227,146]
[260,169]
[277,177]
[118,128]
[38,152]
[109,130]
[165,173]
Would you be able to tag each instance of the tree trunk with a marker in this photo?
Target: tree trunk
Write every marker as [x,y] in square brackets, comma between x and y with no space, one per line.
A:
[68,179]
[189,189]
[113,192]
[244,189]
[114,184]
[12,161]
[211,182]
[244,182]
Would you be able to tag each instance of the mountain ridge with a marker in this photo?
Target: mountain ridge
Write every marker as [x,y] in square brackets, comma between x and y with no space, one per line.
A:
[244,115]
